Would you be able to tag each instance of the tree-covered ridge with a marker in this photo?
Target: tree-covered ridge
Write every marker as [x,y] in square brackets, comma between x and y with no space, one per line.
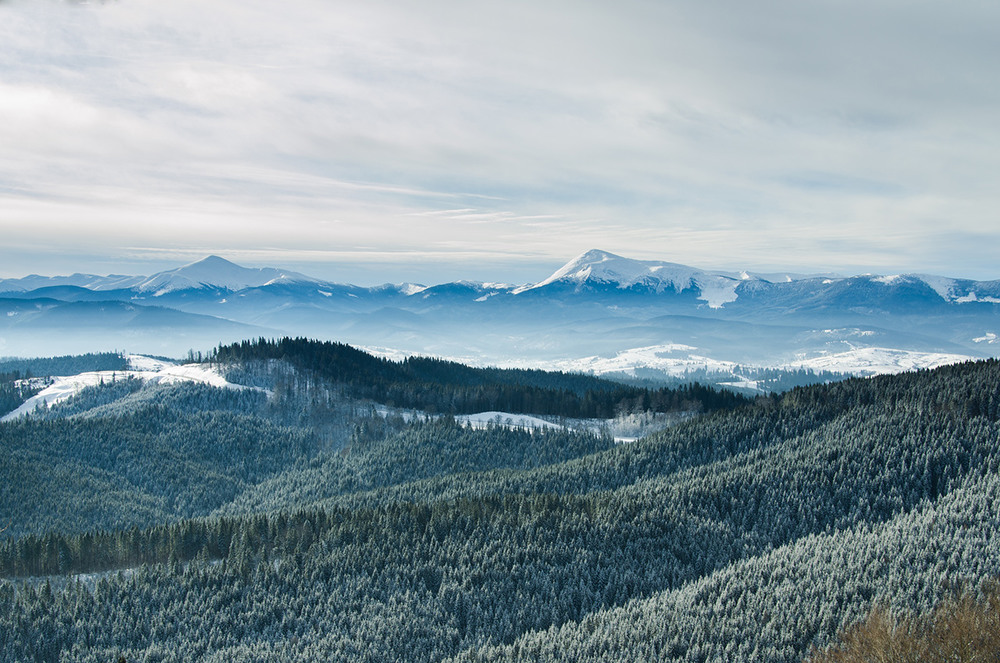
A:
[747,535]
[17,385]
[14,390]
[67,365]
[126,454]
[146,466]
[377,458]
[439,386]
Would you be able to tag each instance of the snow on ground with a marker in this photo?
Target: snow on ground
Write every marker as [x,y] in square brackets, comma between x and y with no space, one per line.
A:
[717,290]
[485,419]
[627,428]
[943,286]
[153,371]
[753,385]
[674,359]
[877,361]
[972,297]
[144,363]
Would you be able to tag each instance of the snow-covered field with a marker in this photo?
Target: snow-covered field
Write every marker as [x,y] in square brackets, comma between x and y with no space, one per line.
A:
[485,419]
[153,371]
[674,360]
[877,361]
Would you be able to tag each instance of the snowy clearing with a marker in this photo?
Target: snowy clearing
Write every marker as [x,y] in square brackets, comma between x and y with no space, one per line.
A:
[877,361]
[485,419]
[152,371]
[674,359]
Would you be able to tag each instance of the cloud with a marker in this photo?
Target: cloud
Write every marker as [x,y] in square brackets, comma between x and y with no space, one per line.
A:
[781,133]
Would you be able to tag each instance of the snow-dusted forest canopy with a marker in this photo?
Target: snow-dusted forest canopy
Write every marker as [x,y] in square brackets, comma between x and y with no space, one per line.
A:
[304,519]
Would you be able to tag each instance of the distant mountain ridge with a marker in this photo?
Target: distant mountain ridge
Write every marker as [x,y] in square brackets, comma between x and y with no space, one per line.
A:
[209,272]
[596,307]
[216,272]
[594,269]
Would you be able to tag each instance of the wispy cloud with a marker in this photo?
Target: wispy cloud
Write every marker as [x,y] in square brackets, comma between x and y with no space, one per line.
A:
[819,135]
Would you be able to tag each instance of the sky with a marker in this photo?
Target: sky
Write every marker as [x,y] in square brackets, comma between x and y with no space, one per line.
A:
[378,141]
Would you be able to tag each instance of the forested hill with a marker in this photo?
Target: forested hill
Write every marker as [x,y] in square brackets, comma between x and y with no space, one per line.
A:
[439,386]
[68,365]
[750,534]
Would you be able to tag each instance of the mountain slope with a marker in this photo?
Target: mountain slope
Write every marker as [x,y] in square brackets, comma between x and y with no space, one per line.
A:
[216,272]
[597,269]
[745,535]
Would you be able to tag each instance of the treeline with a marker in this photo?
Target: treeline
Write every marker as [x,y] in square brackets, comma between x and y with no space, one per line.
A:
[14,391]
[439,386]
[66,365]
[16,385]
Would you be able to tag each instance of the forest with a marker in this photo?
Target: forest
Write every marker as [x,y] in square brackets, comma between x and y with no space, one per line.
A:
[319,516]
[439,386]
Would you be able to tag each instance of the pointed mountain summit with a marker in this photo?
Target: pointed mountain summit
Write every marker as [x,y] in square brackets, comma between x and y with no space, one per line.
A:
[216,272]
[601,269]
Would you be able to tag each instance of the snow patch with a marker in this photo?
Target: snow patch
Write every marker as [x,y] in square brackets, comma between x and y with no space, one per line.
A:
[409,289]
[971,297]
[144,363]
[717,290]
[888,280]
[486,419]
[148,369]
[943,286]
[743,384]
[849,331]
[602,267]
[877,361]
[675,360]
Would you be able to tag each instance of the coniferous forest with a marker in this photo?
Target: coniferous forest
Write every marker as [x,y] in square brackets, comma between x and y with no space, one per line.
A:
[336,509]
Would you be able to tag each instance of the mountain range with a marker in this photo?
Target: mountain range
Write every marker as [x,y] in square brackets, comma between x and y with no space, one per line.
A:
[600,312]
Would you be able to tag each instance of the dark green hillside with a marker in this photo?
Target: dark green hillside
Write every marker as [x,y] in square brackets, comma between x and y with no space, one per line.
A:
[748,535]
[150,465]
[13,392]
[68,365]
[124,454]
[377,457]
[447,387]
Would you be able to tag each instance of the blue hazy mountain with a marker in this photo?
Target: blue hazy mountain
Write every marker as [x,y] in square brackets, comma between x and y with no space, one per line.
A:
[597,307]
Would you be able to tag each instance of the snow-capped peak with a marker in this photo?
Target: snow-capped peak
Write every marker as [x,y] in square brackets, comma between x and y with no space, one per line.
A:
[216,272]
[603,267]
[89,281]
[596,266]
